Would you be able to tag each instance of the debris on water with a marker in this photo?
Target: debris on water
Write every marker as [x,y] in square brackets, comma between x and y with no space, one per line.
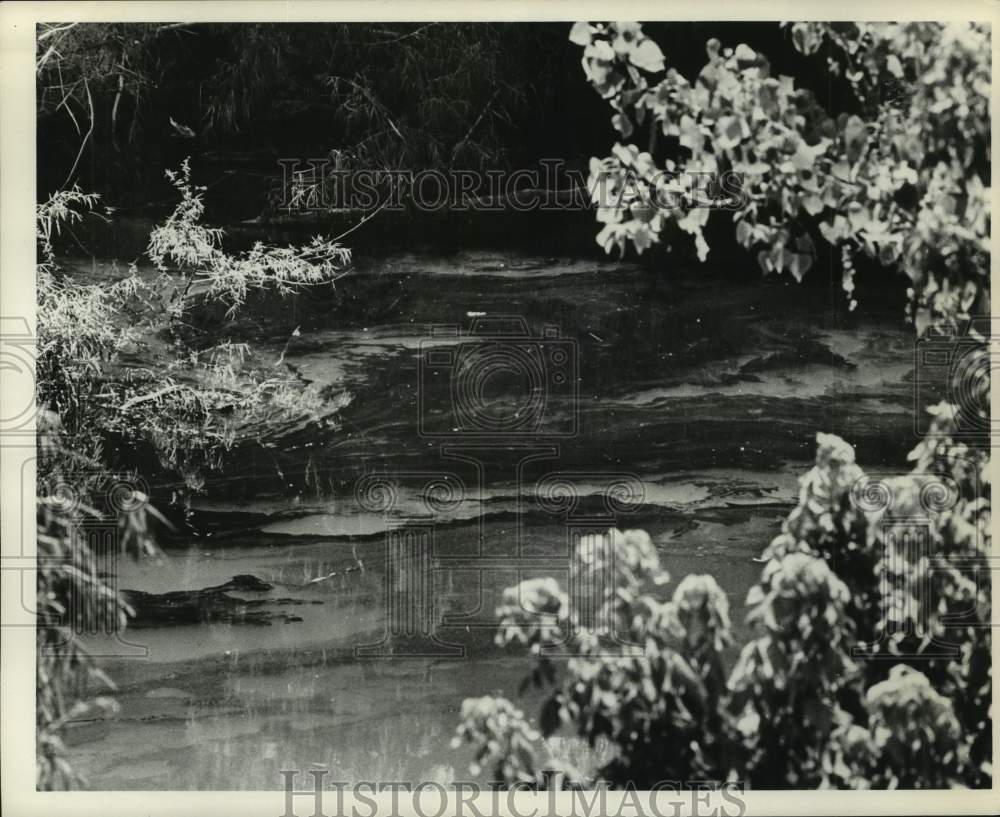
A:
[687,527]
[210,605]
[318,579]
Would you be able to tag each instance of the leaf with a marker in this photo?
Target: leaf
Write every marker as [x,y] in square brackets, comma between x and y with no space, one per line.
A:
[606,238]
[613,82]
[625,153]
[855,137]
[834,231]
[768,97]
[894,66]
[749,722]
[647,56]
[701,246]
[799,265]
[625,36]
[779,258]
[744,234]
[691,135]
[813,204]
[600,50]
[730,130]
[642,238]
[580,34]
[622,124]
[644,164]
[745,55]
[804,157]
[857,216]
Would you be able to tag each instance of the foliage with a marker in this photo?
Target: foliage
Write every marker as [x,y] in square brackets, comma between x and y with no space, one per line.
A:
[78,330]
[186,243]
[870,661]
[189,408]
[193,405]
[74,494]
[370,95]
[59,209]
[76,61]
[503,736]
[414,96]
[77,336]
[904,184]
[870,667]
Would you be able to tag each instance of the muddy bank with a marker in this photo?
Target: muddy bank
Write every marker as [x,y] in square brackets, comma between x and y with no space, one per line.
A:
[227,603]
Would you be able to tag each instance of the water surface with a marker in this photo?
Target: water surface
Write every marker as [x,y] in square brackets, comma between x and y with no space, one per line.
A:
[699,397]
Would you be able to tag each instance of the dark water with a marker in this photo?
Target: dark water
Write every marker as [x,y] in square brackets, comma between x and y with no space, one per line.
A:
[441,472]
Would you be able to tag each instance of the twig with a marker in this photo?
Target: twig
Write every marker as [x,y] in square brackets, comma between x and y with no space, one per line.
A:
[371,99]
[56,29]
[69,110]
[171,27]
[83,144]
[404,36]
[134,401]
[114,111]
[288,343]
[363,220]
[454,150]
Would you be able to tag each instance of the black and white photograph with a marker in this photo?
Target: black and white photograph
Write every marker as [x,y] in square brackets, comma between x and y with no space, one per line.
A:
[422,409]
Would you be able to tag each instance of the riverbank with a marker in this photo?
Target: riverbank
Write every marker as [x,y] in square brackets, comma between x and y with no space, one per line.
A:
[697,395]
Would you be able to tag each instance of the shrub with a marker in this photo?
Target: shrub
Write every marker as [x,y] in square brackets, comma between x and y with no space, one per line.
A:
[870,666]
[904,183]
[189,407]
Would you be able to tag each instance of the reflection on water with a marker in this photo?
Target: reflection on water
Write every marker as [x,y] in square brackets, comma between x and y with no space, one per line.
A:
[695,405]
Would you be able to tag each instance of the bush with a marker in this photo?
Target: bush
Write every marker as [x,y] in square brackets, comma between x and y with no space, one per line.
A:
[904,182]
[870,666]
[189,406]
